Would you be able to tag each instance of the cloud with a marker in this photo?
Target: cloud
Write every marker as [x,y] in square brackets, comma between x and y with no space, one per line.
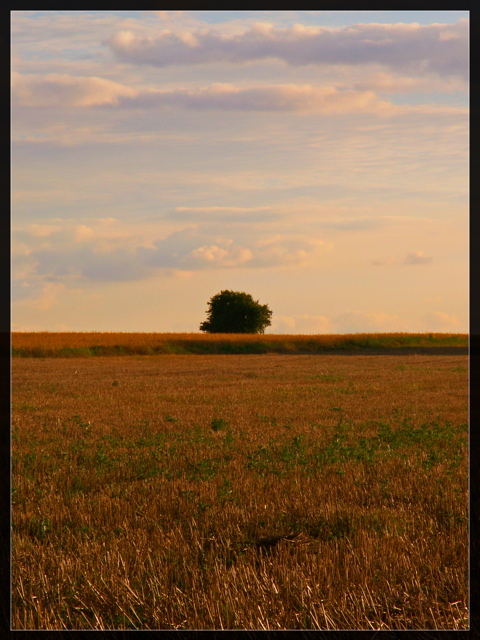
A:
[362,322]
[43,230]
[282,98]
[439,321]
[372,322]
[288,98]
[204,247]
[299,324]
[383,263]
[383,82]
[412,258]
[49,295]
[358,223]
[107,251]
[88,262]
[168,16]
[232,214]
[44,294]
[286,250]
[63,90]
[105,233]
[102,250]
[84,233]
[232,256]
[437,48]
[417,257]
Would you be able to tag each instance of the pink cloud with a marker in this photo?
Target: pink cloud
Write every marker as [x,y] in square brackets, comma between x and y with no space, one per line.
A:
[437,48]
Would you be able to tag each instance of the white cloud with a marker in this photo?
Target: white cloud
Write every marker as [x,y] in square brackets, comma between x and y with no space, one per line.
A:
[168,16]
[64,90]
[232,214]
[212,255]
[412,258]
[45,195]
[287,98]
[440,321]
[360,223]
[367,322]
[437,48]
[105,233]
[43,230]
[299,324]
[205,247]
[417,257]
[43,295]
[362,322]
[84,233]
[383,82]
[106,250]
[50,295]
[282,250]
[384,262]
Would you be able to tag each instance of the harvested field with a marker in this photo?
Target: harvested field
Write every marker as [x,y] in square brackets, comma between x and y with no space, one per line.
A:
[240,492]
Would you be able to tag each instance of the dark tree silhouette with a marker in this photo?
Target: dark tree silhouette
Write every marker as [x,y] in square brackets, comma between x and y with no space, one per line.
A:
[236,312]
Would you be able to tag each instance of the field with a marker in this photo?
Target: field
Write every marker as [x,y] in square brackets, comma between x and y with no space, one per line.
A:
[240,492]
[71,344]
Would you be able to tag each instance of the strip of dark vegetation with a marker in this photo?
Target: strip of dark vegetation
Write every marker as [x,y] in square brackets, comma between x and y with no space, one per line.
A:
[227,348]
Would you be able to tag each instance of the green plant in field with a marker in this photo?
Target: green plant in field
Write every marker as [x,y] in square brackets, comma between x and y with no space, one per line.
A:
[39,528]
[375,522]
[149,439]
[29,460]
[218,423]
[144,467]
[202,507]
[77,485]
[294,452]
[347,390]
[225,491]
[328,377]
[229,438]
[85,425]
[261,460]
[23,406]
[102,459]
[337,526]
[203,469]
[267,419]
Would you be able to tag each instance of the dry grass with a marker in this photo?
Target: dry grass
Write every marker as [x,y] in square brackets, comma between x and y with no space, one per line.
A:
[144,489]
[45,344]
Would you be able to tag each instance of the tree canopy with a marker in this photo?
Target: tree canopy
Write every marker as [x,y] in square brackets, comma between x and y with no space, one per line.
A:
[236,312]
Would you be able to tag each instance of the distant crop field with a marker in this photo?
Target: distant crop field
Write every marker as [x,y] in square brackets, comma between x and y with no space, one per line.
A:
[71,344]
[240,492]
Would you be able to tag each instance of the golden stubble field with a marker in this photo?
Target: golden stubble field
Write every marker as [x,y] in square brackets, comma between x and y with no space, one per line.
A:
[240,492]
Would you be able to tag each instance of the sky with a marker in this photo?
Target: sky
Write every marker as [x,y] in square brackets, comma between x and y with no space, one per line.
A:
[317,160]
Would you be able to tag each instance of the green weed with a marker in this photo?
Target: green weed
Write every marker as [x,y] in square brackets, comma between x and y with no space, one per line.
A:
[218,423]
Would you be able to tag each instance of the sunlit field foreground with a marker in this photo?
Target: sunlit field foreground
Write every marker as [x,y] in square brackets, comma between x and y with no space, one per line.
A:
[240,492]
[45,344]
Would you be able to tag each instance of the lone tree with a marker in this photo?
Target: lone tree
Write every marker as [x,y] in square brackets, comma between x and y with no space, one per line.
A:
[236,312]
